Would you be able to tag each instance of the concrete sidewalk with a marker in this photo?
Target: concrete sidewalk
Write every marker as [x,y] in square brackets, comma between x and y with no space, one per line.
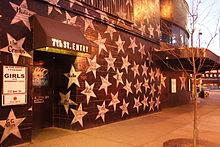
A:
[145,131]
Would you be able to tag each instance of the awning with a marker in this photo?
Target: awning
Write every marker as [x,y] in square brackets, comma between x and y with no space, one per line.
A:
[181,59]
[53,36]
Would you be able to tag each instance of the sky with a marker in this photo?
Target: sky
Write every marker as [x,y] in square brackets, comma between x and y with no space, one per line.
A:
[208,25]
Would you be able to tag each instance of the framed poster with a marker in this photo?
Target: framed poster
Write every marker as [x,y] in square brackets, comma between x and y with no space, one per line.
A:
[14,85]
[40,76]
[173,85]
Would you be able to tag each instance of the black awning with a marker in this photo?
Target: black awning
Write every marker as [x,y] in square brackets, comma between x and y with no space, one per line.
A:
[181,59]
[49,33]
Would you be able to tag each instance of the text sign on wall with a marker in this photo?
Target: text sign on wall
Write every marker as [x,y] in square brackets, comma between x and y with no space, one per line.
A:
[14,85]
[173,85]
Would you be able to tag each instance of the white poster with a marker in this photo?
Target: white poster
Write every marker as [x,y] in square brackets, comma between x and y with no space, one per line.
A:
[173,85]
[14,85]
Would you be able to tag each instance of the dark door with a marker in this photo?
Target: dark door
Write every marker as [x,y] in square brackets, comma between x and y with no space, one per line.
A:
[47,84]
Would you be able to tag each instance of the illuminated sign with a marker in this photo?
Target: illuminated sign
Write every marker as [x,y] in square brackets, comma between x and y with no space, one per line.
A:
[14,85]
[69,45]
[173,85]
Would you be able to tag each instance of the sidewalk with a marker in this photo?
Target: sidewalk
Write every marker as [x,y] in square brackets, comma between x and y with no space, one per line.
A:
[145,131]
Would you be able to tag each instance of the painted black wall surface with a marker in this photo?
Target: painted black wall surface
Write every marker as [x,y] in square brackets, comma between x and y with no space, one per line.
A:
[116,81]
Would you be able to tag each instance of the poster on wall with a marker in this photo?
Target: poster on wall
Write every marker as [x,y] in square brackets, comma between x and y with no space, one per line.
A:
[14,85]
[40,76]
[173,85]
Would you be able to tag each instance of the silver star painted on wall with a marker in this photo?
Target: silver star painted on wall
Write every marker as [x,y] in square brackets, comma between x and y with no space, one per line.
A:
[120,44]
[152,75]
[162,80]
[158,30]
[110,30]
[127,87]
[183,82]
[133,45]
[114,101]
[135,69]
[73,76]
[152,90]
[55,6]
[158,73]
[24,17]
[101,43]
[10,126]
[151,104]
[146,84]
[70,20]
[15,48]
[157,104]
[145,102]
[142,50]
[124,108]
[118,78]
[145,68]
[102,111]
[88,23]
[78,115]
[66,101]
[151,31]
[105,84]
[110,62]
[93,66]
[137,104]
[149,58]
[88,91]
[137,86]
[142,29]
[125,64]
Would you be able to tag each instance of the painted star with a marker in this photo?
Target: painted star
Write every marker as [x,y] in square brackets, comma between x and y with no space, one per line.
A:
[135,69]
[152,90]
[146,85]
[70,20]
[120,44]
[159,89]
[110,30]
[127,87]
[183,82]
[88,23]
[129,2]
[125,64]
[158,30]
[101,43]
[124,108]
[114,101]
[11,126]
[151,104]
[157,104]
[142,29]
[103,15]
[133,45]
[75,1]
[24,17]
[150,59]
[137,104]
[145,68]
[105,84]
[17,47]
[102,111]
[118,77]
[157,75]
[145,102]
[121,14]
[152,76]
[78,115]
[110,61]
[162,80]
[88,91]
[50,8]
[93,65]
[151,30]
[66,101]
[73,76]
[142,50]
[137,86]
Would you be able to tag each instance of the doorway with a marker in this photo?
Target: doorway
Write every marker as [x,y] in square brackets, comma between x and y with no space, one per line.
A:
[48,81]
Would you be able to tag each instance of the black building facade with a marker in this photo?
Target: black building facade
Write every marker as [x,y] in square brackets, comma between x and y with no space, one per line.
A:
[76,64]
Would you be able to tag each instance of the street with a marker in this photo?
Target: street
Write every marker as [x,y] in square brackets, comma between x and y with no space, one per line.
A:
[146,131]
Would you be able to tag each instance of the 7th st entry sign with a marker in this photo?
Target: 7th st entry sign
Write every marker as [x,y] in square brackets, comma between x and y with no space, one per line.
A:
[14,85]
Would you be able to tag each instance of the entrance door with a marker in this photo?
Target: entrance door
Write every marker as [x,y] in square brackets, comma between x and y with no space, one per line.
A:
[48,81]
